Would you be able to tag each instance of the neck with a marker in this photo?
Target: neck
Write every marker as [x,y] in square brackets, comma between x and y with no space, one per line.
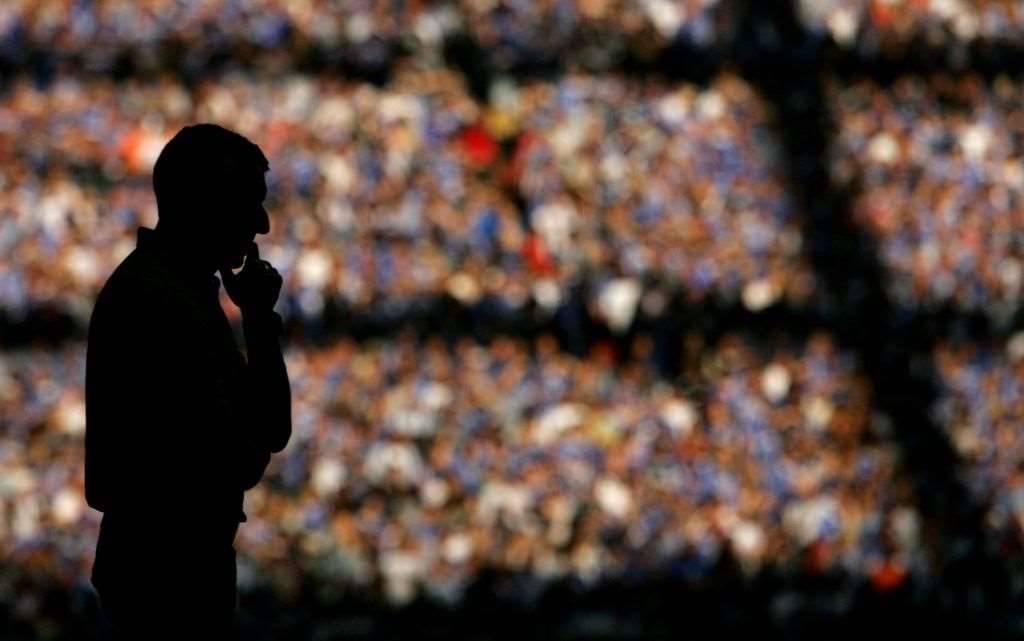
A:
[182,246]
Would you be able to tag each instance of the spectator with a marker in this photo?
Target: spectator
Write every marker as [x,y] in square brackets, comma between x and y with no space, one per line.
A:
[414,465]
[938,162]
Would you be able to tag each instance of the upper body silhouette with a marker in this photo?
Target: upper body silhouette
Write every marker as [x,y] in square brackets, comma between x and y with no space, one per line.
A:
[179,424]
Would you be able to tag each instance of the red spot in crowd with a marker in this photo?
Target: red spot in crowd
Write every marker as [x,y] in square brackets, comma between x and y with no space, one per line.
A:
[536,255]
[605,353]
[129,149]
[889,576]
[817,557]
[278,133]
[881,14]
[480,146]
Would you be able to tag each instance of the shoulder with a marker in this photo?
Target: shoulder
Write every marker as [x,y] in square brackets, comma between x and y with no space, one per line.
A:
[142,293]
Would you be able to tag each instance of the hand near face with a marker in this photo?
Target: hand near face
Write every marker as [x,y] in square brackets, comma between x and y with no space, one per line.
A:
[256,287]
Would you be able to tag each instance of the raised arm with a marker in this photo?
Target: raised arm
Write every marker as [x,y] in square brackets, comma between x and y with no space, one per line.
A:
[269,388]
[255,290]
[165,428]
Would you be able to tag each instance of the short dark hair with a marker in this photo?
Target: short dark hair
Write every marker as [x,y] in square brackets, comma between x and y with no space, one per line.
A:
[198,158]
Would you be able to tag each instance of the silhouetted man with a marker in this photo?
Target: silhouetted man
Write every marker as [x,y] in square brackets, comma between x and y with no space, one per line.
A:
[179,423]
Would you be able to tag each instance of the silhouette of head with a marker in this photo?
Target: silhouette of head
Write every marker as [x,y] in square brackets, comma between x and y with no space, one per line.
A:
[210,188]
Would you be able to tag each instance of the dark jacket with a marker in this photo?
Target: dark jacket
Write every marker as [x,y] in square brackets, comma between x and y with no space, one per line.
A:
[174,434]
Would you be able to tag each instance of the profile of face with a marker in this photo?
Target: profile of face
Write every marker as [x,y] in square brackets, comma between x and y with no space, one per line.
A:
[210,186]
[237,215]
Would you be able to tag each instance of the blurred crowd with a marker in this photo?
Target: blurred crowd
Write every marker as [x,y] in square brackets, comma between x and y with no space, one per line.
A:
[102,35]
[981,407]
[936,168]
[594,34]
[385,196]
[47,532]
[366,35]
[641,179]
[896,25]
[597,196]
[416,463]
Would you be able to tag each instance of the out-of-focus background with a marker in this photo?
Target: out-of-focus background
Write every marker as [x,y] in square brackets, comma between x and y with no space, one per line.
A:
[617,319]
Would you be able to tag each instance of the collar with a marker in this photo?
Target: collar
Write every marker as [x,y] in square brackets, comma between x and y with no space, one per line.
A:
[148,240]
